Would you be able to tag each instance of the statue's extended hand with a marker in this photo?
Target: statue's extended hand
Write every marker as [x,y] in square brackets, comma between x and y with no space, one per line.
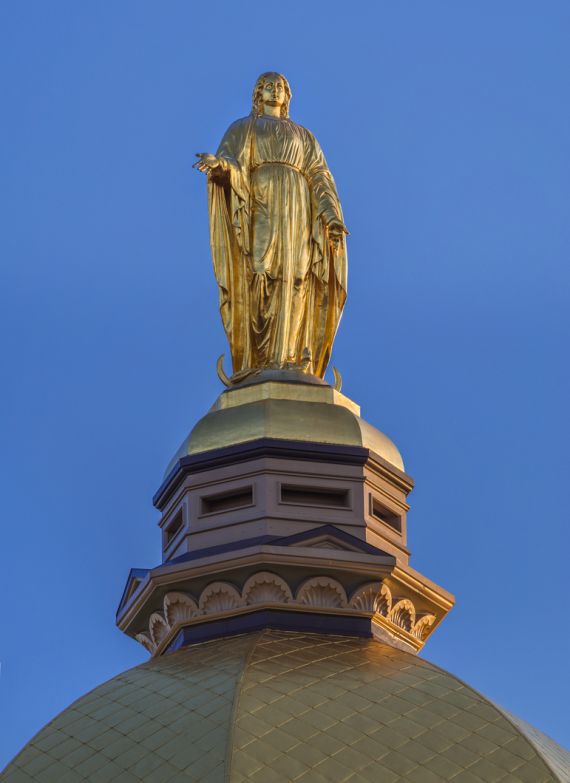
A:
[337,227]
[206,162]
[337,231]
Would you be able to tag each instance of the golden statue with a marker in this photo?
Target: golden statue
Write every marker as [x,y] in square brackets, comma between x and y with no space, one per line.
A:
[277,237]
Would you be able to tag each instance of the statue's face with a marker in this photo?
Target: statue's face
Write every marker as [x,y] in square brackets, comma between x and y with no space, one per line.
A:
[273,93]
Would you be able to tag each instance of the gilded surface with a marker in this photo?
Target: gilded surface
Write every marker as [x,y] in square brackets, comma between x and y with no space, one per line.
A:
[276,707]
[310,416]
[277,238]
[167,720]
[284,391]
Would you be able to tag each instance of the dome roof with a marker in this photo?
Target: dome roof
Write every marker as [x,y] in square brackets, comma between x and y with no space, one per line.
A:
[277,706]
[290,411]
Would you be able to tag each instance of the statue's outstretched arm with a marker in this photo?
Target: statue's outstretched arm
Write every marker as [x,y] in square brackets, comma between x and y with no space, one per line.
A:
[324,191]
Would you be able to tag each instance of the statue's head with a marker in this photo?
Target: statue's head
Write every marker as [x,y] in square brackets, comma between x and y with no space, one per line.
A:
[271,88]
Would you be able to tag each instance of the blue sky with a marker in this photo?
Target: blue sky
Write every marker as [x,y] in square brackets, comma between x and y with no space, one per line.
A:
[446,126]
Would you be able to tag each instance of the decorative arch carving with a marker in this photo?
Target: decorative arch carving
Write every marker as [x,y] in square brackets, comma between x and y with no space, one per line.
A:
[266,587]
[220,597]
[322,591]
[364,598]
[403,614]
[158,628]
[269,588]
[422,626]
[383,604]
[179,608]
[146,642]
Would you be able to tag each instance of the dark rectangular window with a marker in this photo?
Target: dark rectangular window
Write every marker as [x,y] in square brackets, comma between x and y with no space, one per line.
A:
[227,501]
[380,512]
[315,496]
[174,527]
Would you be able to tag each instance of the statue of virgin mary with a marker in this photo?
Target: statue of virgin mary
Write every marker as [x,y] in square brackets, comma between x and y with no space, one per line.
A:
[277,237]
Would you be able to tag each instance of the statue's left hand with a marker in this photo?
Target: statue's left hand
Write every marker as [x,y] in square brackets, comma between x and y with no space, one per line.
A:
[337,231]
[337,227]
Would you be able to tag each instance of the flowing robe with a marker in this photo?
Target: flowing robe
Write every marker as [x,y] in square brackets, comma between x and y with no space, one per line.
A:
[282,280]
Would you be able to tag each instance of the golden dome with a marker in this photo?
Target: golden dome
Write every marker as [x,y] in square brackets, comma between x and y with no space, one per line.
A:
[302,411]
[274,707]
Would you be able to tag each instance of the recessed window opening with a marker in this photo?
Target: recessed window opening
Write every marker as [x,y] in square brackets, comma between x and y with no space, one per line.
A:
[383,514]
[174,527]
[227,501]
[315,496]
